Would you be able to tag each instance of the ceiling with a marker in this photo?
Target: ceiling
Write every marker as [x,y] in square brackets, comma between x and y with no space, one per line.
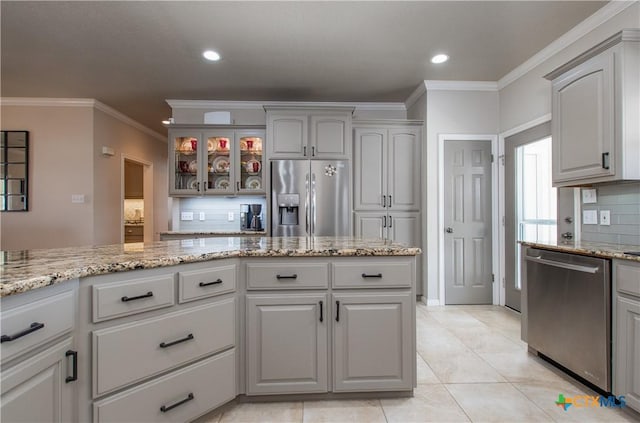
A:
[134,55]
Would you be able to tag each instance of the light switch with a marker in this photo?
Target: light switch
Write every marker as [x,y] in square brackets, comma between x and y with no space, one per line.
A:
[77,198]
[230,217]
[201,216]
[589,217]
[186,216]
[589,196]
[605,217]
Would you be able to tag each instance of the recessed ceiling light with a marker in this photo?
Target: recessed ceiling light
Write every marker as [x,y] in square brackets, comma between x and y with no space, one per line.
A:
[211,55]
[439,58]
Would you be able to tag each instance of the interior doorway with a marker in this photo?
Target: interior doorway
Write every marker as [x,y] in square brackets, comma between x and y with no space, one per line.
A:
[530,201]
[137,200]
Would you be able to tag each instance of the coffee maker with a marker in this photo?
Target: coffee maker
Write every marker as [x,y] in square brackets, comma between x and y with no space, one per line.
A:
[250,217]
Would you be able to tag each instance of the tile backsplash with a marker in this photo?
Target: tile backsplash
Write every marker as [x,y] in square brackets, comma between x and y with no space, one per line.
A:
[216,212]
[623,202]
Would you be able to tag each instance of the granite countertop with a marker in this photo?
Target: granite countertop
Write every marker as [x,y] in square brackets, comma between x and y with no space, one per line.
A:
[21,271]
[595,249]
[221,233]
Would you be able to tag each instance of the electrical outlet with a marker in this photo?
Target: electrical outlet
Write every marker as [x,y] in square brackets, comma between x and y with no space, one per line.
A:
[186,216]
[201,215]
[230,217]
[589,217]
[605,217]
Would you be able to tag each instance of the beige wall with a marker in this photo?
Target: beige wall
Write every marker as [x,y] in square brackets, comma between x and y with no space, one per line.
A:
[529,97]
[60,165]
[130,142]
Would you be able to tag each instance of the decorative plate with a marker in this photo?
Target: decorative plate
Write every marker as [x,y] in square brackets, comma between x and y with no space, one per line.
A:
[221,164]
[222,183]
[186,146]
[211,145]
[193,166]
[253,166]
[253,182]
[243,145]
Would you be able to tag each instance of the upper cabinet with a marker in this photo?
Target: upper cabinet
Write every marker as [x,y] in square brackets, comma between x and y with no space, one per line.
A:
[209,160]
[595,109]
[309,133]
[387,166]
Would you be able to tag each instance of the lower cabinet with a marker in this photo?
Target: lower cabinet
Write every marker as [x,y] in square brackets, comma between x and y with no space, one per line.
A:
[372,342]
[41,388]
[177,397]
[287,343]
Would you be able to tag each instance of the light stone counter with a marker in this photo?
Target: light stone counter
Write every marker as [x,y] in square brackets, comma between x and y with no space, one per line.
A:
[594,249]
[21,271]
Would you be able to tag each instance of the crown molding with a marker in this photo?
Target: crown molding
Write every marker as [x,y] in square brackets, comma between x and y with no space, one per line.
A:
[248,105]
[602,15]
[437,85]
[416,94]
[80,102]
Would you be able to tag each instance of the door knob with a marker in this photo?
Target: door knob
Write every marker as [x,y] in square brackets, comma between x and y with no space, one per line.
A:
[449,230]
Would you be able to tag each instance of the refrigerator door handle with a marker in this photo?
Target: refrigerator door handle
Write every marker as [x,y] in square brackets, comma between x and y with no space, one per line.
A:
[306,204]
[313,203]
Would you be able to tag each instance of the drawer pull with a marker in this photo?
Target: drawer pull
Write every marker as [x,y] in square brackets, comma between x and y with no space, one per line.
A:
[294,276]
[179,341]
[321,319]
[32,328]
[216,282]
[74,374]
[166,408]
[379,275]
[337,311]
[139,297]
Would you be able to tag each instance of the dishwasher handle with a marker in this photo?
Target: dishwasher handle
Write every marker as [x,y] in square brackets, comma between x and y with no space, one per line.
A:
[562,265]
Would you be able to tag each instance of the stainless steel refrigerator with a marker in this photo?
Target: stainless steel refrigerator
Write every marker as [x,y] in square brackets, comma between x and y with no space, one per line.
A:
[310,198]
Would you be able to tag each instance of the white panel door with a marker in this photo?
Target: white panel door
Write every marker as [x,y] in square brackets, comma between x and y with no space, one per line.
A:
[467,221]
[372,342]
[286,344]
[370,174]
[403,186]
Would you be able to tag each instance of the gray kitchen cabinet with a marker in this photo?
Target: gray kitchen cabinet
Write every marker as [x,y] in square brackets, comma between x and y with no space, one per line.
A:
[387,167]
[626,363]
[309,133]
[41,388]
[286,342]
[216,160]
[595,109]
[372,341]
[402,227]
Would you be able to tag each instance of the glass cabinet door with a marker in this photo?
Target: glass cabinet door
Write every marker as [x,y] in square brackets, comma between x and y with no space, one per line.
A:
[249,145]
[186,164]
[219,153]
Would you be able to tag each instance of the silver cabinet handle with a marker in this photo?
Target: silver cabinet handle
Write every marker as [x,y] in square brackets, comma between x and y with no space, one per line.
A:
[306,204]
[568,266]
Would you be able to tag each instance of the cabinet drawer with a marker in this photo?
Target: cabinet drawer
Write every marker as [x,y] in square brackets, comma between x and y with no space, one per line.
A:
[118,299]
[134,230]
[628,277]
[287,275]
[205,385]
[196,284]
[134,351]
[373,273]
[34,324]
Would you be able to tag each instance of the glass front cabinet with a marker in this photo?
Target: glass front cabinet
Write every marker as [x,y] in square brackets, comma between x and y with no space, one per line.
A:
[216,161]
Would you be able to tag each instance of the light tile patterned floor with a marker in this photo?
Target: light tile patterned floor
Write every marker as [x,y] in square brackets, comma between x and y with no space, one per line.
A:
[472,366]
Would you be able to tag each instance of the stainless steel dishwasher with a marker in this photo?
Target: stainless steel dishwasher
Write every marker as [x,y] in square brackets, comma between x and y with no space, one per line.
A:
[569,312]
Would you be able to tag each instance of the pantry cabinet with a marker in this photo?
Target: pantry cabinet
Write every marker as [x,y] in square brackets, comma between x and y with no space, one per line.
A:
[309,133]
[216,160]
[626,377]
[595,109]
[402,227]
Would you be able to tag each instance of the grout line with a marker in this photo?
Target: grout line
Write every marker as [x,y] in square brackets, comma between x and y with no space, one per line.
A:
[532,401]
[456,401]
[383,412]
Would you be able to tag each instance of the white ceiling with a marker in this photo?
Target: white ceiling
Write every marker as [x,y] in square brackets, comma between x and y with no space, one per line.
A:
[134,55]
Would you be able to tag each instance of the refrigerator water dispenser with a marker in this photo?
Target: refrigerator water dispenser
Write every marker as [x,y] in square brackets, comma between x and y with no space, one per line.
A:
[288,207]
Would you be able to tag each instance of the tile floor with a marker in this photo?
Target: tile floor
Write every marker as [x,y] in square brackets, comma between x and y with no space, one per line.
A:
[472,366]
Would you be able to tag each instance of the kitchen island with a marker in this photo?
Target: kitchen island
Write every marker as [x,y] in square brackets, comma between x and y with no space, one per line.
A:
[174,329]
